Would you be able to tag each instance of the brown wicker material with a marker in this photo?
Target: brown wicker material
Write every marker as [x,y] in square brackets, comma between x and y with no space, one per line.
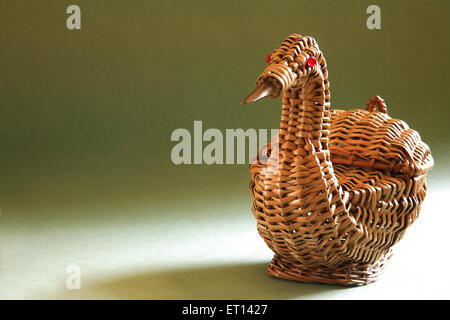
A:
[338,188]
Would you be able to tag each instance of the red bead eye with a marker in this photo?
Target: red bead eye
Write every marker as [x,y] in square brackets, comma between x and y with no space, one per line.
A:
[312,61]
[269,56]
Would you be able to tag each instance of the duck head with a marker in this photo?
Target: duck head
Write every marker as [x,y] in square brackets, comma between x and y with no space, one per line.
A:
[289,67]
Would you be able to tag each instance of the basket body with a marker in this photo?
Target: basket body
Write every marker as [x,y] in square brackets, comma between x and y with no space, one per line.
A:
[332,222]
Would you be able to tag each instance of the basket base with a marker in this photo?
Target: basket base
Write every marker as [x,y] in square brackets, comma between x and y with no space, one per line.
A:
[352,274]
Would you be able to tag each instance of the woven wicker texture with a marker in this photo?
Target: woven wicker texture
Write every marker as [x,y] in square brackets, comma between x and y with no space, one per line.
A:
[334,190]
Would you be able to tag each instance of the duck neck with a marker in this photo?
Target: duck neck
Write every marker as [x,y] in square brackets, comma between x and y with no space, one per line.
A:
[304,153]
[305,115]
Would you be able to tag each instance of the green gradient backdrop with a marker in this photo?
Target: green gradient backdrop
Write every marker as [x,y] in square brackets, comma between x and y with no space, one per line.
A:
[86,115]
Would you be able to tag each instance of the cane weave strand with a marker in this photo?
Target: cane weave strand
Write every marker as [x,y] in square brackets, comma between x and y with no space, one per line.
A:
[334,190]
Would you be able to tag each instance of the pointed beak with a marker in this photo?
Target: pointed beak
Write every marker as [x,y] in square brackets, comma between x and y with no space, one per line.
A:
[264,89]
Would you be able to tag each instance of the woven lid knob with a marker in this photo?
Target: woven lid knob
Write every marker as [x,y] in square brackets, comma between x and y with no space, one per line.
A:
[375,103]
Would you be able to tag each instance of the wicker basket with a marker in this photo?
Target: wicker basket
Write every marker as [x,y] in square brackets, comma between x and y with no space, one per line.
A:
[335,190]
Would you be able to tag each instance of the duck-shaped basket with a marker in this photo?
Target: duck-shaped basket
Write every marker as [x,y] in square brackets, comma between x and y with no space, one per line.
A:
[334,190]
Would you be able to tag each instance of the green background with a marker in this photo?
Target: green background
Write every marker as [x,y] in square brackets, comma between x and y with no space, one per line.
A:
[86,118]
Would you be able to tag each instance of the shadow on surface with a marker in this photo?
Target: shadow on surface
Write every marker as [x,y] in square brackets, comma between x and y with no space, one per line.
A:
[234,281]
